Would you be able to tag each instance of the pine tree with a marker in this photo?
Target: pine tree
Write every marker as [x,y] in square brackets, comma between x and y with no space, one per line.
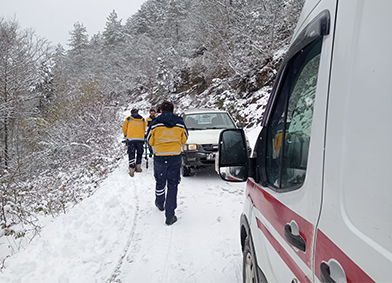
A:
[79,38]
[114,31]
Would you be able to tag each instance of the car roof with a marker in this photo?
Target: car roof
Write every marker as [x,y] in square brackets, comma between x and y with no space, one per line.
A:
[202,110]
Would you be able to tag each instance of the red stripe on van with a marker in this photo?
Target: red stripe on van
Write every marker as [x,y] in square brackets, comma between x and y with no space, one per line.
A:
[326,249]
[283,254]
[279,215]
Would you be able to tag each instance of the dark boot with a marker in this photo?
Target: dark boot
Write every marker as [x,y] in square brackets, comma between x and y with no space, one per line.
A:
[160,207]
[170,221]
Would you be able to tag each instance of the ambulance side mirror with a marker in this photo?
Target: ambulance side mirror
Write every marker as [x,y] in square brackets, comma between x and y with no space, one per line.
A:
[233,155]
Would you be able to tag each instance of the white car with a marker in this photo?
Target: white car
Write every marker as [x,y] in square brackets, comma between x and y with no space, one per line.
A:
[204,127]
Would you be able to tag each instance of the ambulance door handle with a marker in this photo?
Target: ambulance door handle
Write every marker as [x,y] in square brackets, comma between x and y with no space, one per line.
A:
[325,273]
[296,240]
[332,272]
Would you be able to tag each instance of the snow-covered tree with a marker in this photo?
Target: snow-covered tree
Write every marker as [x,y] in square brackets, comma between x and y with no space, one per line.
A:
[22,54]
[164,80]
[24,64]
[114,31]
[79,38]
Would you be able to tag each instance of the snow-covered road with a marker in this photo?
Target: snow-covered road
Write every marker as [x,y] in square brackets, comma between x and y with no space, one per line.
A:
[118,235]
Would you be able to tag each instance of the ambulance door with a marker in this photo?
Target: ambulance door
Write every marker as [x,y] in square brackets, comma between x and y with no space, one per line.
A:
[287,189]
[354,239]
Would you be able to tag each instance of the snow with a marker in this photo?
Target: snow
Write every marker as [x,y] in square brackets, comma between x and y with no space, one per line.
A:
[118,235]
[279,54]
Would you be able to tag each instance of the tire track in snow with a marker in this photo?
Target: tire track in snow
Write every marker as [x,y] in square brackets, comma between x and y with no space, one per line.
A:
[116,272]
[167,256]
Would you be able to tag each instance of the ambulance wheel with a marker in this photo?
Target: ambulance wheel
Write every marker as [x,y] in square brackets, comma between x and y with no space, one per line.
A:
[249,266]
[186,171]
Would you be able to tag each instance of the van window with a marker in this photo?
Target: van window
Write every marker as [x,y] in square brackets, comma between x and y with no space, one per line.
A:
[289,129]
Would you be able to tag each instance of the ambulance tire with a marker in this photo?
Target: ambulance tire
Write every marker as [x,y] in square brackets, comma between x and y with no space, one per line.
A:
[249,266]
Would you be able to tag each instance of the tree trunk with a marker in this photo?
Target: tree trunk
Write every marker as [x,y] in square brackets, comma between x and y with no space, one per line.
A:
[6,143]
[5,124]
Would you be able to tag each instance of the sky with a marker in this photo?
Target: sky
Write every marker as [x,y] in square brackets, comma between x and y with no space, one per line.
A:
[54,19]
[118,235]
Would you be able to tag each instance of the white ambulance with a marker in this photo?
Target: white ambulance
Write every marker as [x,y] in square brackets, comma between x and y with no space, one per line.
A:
[318,204]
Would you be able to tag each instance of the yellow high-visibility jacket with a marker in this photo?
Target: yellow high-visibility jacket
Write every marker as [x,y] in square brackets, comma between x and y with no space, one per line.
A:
[148,120]
[134,128]
[167,133]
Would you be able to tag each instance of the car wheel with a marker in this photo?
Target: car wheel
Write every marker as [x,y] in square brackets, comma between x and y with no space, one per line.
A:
[249,266]
[186,171]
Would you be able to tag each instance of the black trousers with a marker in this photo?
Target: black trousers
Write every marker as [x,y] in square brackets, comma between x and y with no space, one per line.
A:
[135,147]
[167,174]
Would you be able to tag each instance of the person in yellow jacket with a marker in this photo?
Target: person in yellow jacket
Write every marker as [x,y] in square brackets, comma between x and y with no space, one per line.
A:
[134,129]
[167,134]
[153,115]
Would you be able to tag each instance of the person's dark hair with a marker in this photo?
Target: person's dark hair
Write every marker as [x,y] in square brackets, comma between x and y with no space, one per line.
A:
[134,111]
[152,110]
[167,106]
